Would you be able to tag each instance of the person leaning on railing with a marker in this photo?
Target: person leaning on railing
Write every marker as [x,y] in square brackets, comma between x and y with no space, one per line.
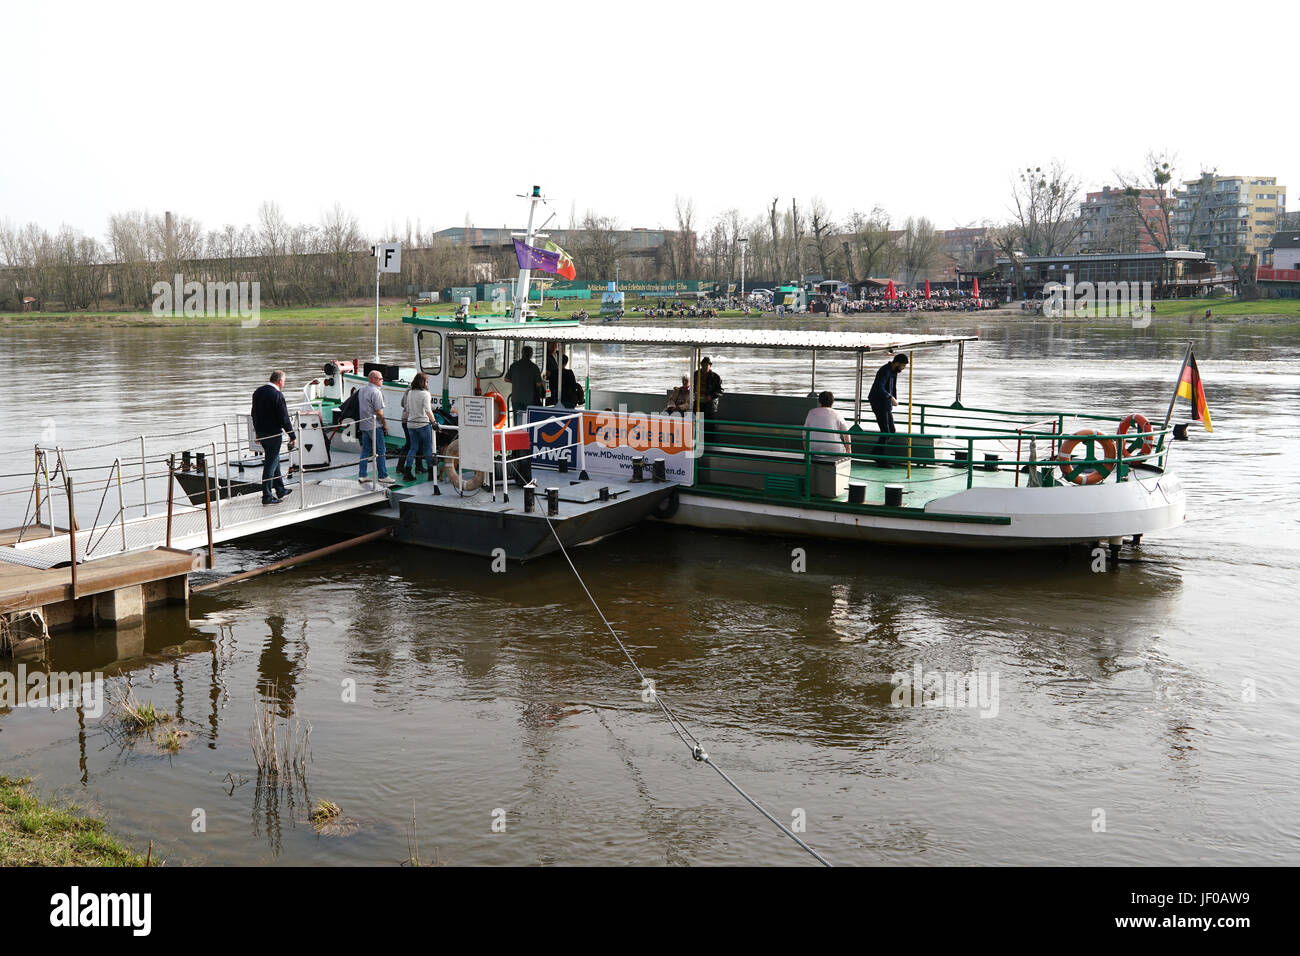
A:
[271,421]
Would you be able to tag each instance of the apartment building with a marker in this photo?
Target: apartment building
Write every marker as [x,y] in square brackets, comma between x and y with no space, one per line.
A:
[1228,217]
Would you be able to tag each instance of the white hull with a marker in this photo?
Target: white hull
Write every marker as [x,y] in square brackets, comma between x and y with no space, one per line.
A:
[1039,517]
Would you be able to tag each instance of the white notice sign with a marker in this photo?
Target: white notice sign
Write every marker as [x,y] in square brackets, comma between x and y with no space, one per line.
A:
[389,255]
[475,433]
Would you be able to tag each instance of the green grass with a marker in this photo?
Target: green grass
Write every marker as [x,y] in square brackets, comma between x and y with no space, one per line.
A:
[33,833]
[304,316]
[1228,307]
[360,315]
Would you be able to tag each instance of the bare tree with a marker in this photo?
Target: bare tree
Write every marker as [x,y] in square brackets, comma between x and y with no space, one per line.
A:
[823,243]
[600,246]
[1155,218]
[874,242]
[685,238]
[919,248]
[1045,205]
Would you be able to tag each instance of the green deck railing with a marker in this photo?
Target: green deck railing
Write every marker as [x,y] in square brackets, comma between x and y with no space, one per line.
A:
[779,460]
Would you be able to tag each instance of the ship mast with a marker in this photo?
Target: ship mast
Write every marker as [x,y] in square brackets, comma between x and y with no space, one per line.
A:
[521,286]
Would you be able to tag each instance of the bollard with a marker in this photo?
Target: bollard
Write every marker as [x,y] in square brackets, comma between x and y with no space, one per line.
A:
[638,464]
[991,462]
[604,493]
[857,493]
[552,502]
[660,470]
[894,496]
[564,466]
[185,461]
[530,499]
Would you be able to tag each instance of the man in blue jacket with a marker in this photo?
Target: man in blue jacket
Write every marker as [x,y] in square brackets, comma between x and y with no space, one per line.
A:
[884,392]
[270,422]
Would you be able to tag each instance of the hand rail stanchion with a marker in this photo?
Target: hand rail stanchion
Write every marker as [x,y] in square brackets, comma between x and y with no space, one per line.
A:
[144,478]
[578,429]
[49,489]
[72,525]
[171,482]
[970,462]
[36,483]
[121,508]
[207,509]
[211,462]
[225,441]
[302,494]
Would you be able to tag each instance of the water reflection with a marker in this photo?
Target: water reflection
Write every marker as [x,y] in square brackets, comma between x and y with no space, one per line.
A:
[478,690]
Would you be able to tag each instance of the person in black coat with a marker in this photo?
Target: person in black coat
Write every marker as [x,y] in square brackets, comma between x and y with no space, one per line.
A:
[708,386]
[270,423]
[884,392]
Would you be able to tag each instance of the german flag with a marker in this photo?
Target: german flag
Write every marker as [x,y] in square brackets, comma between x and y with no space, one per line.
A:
[1189,387]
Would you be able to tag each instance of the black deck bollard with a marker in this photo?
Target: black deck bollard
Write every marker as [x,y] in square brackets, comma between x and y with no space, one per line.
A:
[530,499]
[991,462]
[552,501]
[604,493]
[638,467]
[894,496]
[660,470]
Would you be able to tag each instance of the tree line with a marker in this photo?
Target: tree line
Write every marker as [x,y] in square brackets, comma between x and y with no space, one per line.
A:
[784,240]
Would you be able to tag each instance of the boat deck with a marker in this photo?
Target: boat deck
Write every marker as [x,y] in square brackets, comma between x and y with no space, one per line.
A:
[927,482]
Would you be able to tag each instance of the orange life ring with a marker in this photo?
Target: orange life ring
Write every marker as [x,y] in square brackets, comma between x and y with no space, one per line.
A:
[1090,471]
[500,401]
[1141,443]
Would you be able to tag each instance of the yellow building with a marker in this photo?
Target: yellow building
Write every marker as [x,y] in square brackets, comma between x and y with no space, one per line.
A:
[1228,217]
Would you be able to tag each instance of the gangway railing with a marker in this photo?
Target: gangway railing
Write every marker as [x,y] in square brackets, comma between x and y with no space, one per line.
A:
[129,515]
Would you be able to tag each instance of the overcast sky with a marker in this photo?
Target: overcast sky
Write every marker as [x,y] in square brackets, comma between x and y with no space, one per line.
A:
[435,111]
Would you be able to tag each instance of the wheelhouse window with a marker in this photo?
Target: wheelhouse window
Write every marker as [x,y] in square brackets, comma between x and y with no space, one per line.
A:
[430,351]
[459,356]
[490,358]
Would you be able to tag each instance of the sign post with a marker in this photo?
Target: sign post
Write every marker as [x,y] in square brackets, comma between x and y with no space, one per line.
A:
[388,258]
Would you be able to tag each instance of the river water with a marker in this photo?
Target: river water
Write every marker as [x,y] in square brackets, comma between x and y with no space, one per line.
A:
[1145,715]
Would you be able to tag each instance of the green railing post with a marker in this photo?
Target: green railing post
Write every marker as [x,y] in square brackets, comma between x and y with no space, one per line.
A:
[807,465]
[970,462]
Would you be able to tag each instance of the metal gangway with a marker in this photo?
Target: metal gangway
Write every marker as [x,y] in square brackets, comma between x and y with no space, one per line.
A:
[139,502]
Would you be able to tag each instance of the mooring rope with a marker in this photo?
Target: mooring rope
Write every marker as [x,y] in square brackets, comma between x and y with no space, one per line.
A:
[693,744]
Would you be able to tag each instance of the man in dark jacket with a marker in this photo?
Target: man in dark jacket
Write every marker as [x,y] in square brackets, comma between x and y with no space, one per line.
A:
[526,385]
[270,421]
[884,392]
[708,386]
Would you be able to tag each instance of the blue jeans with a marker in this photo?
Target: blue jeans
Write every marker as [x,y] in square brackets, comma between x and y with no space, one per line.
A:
[271,469]
[372,442]
[421,439]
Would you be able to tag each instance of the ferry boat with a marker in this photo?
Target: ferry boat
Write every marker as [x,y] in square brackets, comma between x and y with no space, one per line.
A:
[956,477]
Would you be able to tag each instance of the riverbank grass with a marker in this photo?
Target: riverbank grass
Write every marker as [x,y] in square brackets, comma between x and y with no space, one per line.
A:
[34,833]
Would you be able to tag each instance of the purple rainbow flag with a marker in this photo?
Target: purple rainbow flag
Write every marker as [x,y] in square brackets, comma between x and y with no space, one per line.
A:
[532,258]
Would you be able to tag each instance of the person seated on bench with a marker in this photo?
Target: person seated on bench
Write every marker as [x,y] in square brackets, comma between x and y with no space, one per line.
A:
[679,399]
[824,444]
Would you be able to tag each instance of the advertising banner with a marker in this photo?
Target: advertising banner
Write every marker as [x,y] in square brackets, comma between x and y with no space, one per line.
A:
[611,439]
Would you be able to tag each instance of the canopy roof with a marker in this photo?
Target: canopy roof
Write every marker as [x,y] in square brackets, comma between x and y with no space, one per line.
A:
[711,338]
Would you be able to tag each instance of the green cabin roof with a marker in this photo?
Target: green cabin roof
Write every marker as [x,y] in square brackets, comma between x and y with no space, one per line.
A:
[486,323]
